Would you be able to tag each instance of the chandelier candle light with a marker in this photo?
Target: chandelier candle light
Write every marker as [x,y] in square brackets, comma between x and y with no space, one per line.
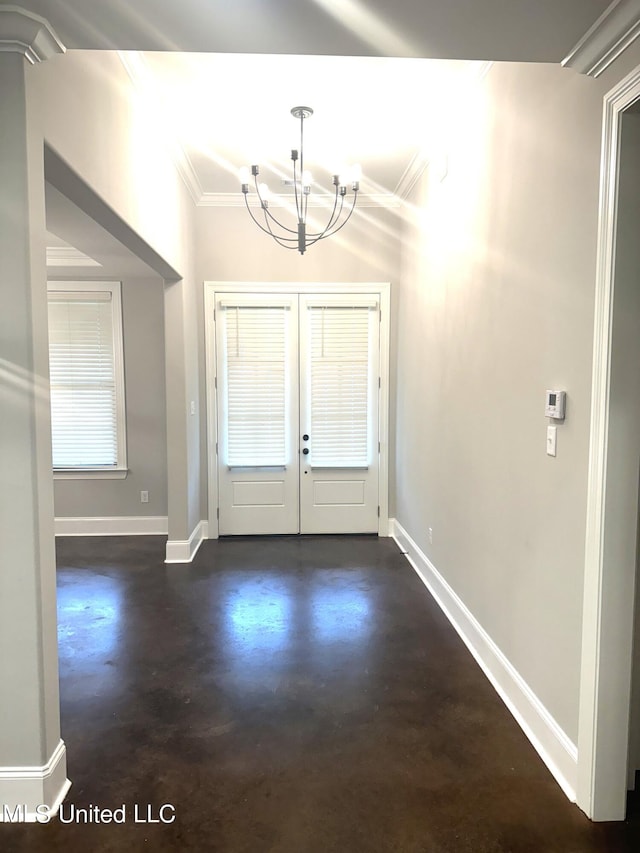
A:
[299,238]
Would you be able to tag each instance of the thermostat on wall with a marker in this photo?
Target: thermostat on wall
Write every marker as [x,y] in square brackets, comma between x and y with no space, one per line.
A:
[554,405]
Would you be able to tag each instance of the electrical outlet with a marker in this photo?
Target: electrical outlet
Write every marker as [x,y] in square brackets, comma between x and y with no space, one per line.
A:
[144,497]
[431,535]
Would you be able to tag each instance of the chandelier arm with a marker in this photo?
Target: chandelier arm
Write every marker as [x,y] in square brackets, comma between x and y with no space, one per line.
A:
[280,240]
[279,224]
[271,216]
[268,230]
[335,216]
[327,233]
[305,198]
[333,219]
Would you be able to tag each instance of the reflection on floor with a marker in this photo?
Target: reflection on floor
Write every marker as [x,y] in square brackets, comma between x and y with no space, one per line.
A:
[285,694]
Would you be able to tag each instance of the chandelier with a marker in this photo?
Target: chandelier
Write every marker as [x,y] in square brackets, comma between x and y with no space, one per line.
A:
[301,238]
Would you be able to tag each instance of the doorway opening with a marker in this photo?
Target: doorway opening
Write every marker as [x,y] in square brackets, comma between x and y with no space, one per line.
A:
[608,747]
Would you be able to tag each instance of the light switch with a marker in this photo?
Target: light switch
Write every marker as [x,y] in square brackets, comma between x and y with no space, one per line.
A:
[193,407]
[552,433]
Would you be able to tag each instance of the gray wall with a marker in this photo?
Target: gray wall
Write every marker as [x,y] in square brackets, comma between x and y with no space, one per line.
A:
[143,328]
[496,305]
[29,696]
[123,177]
[231,248]
[98,125]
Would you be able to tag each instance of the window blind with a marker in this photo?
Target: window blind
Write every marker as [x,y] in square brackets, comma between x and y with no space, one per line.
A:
[83,380]
[255,341]
[339,385]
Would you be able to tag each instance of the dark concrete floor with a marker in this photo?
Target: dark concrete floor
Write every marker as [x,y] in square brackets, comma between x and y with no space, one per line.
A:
[286,695]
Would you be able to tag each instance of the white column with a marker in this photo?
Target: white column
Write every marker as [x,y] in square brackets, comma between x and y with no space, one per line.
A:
[32,755]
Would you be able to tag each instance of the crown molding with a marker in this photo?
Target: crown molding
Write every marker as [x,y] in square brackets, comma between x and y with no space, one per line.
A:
[187,172]
[68,256]
[28,34]
[411,175]
[385,200]
[611,35]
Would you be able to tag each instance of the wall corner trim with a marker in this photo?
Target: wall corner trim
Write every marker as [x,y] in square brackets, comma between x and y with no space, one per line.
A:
[27,33]
[551,743]
[127,525]
[183,551]
[613,32]
[24,789]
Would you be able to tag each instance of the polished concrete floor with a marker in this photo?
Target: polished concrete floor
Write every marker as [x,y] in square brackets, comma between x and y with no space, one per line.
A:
[285,695]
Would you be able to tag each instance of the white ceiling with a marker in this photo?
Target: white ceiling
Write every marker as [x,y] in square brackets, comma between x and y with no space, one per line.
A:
[227,111]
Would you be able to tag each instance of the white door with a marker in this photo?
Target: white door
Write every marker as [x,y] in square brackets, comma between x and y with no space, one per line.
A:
[339,370]
[257,385]
[297,392]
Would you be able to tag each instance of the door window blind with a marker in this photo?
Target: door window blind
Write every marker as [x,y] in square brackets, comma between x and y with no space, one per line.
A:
[339,385]
[255,382]
[84,410]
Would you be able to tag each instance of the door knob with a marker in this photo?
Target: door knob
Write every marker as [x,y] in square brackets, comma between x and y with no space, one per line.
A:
[305,437]
[306,451]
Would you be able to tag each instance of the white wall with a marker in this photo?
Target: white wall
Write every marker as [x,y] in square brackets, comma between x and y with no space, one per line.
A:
[496,305]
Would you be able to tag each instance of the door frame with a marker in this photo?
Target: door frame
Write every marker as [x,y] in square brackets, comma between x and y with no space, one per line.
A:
[607,624]
[211,291]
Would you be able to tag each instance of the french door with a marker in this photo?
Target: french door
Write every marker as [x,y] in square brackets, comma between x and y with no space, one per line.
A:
[297,393]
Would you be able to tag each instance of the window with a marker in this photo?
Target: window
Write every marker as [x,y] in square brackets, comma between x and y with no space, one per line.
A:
[340,339]
[87,379]
[254,381]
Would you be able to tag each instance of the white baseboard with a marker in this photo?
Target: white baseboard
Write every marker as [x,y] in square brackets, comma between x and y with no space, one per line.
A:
[26,791]
[183,551]
[127,525]
[551,743]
